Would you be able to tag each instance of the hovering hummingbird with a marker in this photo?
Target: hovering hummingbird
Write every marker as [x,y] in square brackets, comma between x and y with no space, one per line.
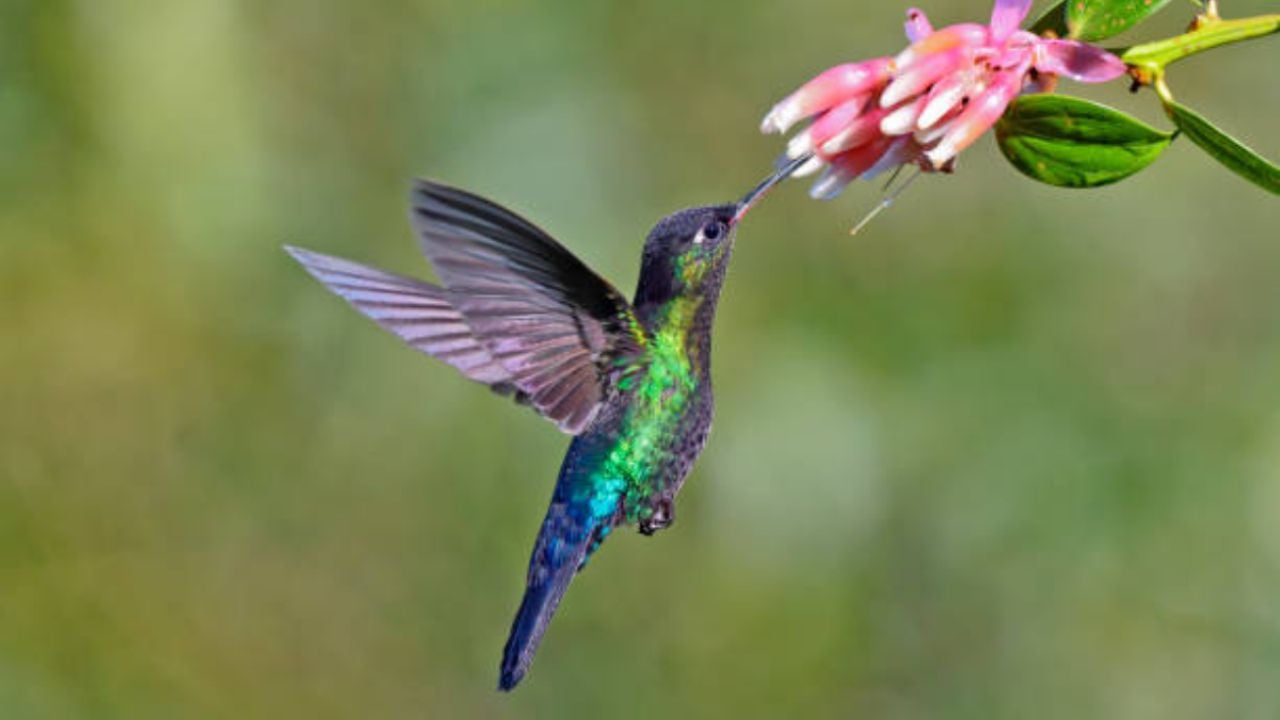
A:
[630,381]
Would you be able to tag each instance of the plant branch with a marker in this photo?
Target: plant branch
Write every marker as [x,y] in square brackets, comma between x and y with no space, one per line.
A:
[1149,60]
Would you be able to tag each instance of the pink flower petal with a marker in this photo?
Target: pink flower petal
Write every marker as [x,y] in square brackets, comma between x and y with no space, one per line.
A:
[945,96]
[902,120]
[835,120]
[1079,61]
[828,89]
[924,73]
[1024,38]
[977,118]
[847,166]
[952,36]
[935,133]
[918,26]
[1016,51]
[859,132]
[930,102]
[1006,16]
[902,151]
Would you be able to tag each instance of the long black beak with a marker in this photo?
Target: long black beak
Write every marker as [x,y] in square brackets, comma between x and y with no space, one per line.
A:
[767,184]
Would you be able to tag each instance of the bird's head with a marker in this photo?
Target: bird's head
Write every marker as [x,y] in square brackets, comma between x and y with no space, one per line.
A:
[687,252]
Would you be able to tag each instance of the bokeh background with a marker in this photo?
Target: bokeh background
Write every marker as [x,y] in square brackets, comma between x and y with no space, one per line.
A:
[1013,452]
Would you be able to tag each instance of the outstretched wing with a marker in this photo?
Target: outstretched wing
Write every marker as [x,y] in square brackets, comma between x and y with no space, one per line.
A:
[561,332]
[416,311]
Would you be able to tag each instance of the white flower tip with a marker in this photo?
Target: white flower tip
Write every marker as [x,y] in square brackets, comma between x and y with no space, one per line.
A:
[780,118]
[900,121]
[930,135]
[933,112]
[904,59]
[799,145]
[938,107]
[939,156]
[897,91]
[839,143]
[811,166]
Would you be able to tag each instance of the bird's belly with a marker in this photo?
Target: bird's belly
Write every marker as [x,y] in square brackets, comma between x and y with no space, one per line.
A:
[646,447]
[651,493]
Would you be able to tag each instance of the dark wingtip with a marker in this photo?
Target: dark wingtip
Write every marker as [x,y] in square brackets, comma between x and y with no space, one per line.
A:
[432,202]
[424,189]
[423,186]
[428,192]
[419,192]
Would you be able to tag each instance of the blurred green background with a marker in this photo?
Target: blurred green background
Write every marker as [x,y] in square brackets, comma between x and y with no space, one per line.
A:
[1013,452]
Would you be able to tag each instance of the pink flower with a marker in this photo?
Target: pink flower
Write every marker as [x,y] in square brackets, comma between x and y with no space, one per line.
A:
[933,100]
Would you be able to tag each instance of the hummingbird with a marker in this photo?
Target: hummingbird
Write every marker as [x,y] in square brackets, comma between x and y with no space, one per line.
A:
[630,381]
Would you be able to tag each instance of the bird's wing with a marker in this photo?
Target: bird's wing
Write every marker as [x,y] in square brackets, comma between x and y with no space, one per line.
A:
[563,334]
[416,311]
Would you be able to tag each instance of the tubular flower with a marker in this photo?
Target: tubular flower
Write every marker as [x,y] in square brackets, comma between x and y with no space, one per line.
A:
[930,102]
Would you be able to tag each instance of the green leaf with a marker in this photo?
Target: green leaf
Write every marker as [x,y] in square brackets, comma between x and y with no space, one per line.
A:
[1053,20]
[1092,20]
[1069,142]
[1225,149]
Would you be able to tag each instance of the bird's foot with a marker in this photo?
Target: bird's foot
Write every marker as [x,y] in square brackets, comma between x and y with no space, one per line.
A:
[664,516]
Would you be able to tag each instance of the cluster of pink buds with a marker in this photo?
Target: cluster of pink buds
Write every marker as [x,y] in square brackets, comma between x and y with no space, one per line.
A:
[929,103]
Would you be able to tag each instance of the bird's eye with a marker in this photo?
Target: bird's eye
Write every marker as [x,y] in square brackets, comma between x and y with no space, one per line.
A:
[714,230]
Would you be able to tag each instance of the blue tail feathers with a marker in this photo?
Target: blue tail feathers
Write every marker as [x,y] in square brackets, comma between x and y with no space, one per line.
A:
[536,609]
[562,548]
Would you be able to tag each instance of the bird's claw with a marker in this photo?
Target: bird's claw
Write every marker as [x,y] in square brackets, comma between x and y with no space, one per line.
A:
[664,515]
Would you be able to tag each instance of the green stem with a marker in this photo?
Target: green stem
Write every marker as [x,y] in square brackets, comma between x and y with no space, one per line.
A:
[1151,58]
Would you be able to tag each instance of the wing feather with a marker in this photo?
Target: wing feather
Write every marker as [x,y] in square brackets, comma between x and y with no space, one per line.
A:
[561,333]
[418,312]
